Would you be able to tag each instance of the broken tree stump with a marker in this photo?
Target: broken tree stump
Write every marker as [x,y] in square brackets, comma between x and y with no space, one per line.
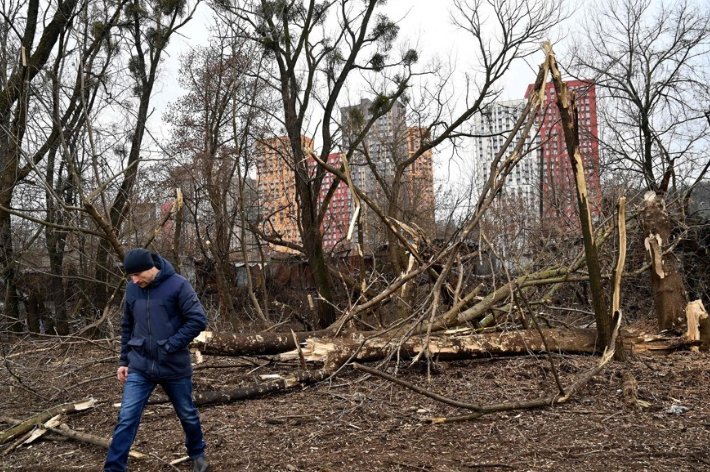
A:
[698,324]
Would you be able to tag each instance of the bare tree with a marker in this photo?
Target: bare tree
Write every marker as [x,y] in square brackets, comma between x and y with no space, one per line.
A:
[649,62]
[20,70]
[148,28]
[61,134]
[211,134]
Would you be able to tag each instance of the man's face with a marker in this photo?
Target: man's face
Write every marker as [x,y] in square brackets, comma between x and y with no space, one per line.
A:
[143,279]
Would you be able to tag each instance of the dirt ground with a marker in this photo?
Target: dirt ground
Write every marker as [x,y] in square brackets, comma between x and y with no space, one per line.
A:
[360,423]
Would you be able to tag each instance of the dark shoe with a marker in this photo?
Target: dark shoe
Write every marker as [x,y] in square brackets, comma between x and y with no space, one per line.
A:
[200,465]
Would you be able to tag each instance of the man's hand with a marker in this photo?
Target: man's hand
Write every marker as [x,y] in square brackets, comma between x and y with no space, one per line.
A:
[122,374]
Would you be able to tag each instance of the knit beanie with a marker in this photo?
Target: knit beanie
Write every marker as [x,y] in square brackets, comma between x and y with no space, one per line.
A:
[137,260]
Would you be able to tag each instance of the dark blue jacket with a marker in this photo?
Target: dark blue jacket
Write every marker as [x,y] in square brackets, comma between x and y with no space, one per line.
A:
[158,324]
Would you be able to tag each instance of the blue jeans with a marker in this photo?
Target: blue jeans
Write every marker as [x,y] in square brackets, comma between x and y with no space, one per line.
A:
[135,396]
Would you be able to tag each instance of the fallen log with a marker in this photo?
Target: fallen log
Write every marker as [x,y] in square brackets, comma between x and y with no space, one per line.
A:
[229,344]
[275,383]
[43,417]
[479,409]
[335,352]
[67,432]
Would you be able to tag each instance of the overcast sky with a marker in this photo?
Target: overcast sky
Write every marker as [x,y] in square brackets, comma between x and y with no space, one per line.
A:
[424,24]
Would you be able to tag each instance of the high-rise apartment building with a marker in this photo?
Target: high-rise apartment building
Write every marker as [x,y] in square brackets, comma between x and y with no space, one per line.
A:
[559,198]
[277,192]
[383,146]
[491,128]
[388,143]
[419,188]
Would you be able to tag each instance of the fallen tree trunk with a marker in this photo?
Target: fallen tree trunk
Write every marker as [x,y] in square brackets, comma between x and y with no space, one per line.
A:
[229,344]
[275,383]
[481,409]
[335,352]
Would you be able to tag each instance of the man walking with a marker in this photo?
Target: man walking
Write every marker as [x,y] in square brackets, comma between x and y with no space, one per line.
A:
[162,315]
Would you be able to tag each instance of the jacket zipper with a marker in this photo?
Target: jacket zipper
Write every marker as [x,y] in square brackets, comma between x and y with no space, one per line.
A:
[150,339]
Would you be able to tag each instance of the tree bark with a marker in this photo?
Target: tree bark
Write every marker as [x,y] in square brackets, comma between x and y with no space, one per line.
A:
[228,344]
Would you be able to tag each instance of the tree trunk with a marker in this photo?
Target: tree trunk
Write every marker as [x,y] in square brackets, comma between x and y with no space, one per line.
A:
[570,127]
[313,245]
[13,95]
[668,290]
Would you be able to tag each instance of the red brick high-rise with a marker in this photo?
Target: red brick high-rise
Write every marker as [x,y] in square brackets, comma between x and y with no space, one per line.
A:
[558,194]
[337,216]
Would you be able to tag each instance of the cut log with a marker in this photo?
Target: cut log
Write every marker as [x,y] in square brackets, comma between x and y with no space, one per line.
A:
[44,416]
[228,344]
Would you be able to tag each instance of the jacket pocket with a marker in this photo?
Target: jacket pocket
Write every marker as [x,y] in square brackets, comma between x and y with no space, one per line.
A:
[136,354]
[163,346]
[174,364]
